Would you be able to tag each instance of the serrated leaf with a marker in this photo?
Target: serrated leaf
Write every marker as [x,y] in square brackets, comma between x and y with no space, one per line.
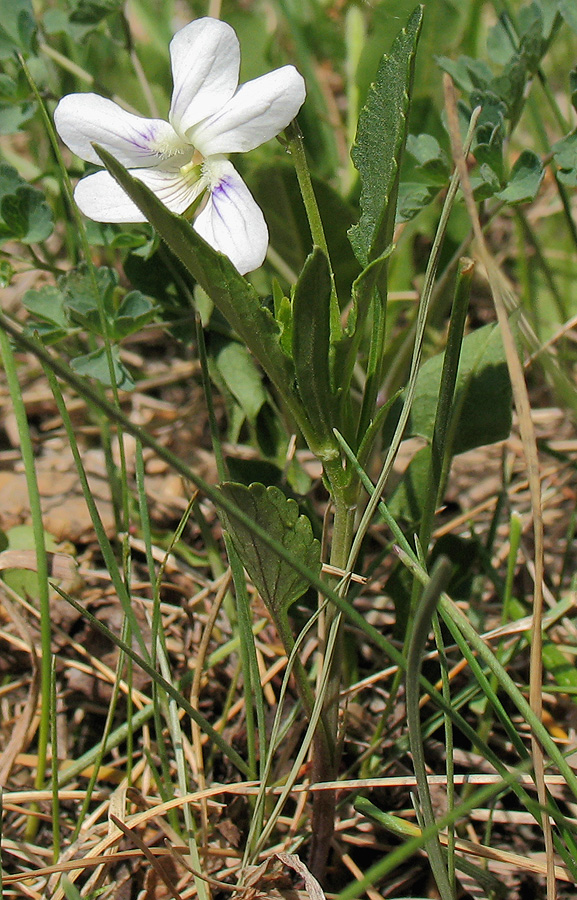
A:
[380,141]
[311,344]
[26,217]
[277,583]
[525,179]
[232,294]
[95,365]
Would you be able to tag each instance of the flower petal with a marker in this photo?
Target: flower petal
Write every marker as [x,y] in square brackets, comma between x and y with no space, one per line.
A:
[101,198]
[205,58]
[231,221]
[259,110]
[82,119]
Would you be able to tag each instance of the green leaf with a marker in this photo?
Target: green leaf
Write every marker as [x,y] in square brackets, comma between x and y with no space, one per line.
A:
[482,406]
[413,197]
[277,583]
[532,44]
[25,216]
[408,500]
[510,87]
[82,291]
[17,27]
[276,190]
[232,294]
[10,180]
[242,378]
[380,141]
[91,12]
[568,10]
[565,156]
[483,400]
[14,115]
[6,272]
[95,365]
[490,132]
[24,581]
[573,87]
[135,311]
[525,179]
[467,73]
[485,182]
[47,304]
[433,165]
[311,344]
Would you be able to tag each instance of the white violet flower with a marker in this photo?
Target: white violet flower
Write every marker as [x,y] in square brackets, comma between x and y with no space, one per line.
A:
[210,116]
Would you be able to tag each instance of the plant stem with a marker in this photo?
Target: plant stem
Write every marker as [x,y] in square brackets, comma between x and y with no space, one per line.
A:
[325,764]
[26,449]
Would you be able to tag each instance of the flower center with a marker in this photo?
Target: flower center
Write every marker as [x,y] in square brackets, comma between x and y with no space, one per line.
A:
[193,174]
[191,170]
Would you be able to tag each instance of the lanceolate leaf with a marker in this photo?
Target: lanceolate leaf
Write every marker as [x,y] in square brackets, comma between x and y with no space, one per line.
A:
[311,343]
[380,143]
[232,294]
[277,583]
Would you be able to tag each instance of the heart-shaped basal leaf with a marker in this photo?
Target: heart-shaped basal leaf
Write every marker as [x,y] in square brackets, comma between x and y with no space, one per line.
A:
[232,294]
[276,581]
[380,142]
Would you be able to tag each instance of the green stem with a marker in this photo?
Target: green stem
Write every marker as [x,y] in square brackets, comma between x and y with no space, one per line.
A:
[27,452]
[297,152]
[298,155]
[242,613]
[420,631]
[325,764]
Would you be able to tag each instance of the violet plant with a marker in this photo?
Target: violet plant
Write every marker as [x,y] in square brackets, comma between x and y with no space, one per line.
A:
[333,372]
